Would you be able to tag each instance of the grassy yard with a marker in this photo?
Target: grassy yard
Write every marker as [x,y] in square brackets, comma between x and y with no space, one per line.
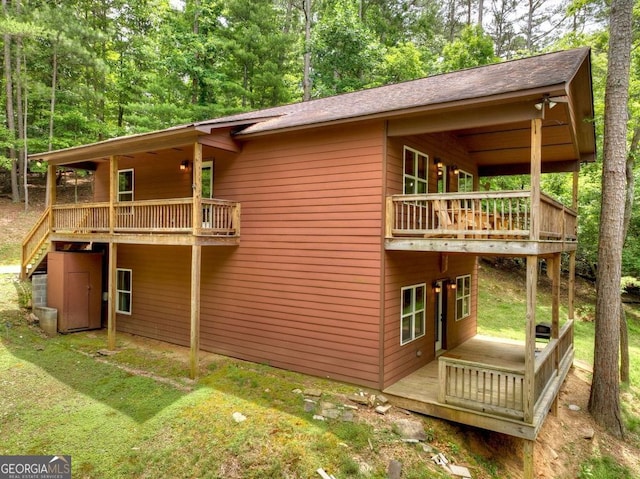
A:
[502,309]
[135,415]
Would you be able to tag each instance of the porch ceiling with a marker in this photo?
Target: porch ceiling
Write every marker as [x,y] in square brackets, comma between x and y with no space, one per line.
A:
[498,136]
[496,130]
[506,148]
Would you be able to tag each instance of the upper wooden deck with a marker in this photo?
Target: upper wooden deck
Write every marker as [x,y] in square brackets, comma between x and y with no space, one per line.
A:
[178,221]
[482,383]
[500,222]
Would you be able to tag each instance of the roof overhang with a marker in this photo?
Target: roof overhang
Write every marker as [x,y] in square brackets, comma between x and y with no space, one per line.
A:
[215,134]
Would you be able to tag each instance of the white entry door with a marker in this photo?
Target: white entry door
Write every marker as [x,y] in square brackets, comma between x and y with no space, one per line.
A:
[440,315]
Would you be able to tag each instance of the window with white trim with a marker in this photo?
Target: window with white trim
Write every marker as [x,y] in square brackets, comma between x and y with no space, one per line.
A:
[463,296]
[123,290]
[412,316]
[465,181]
[416,165]
[125,185]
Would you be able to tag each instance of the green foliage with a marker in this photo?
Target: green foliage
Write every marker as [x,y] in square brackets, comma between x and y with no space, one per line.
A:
[345,51]
[604,467]
[473,48]
[256,54]
[401,62]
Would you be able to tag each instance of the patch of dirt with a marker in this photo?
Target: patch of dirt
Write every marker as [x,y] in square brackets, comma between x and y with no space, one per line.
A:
[563,443]
[15,222]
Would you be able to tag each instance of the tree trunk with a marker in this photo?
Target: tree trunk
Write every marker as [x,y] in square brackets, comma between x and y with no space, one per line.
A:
[628,209]
[54,85]
[624,346]
[480,12]
[52,108]
[20,115]
[604,401]
[195,82]
[11,125]
[530,27]
[25,152]
[306,82]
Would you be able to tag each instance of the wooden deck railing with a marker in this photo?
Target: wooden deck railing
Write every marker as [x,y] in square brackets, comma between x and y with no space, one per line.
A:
[488,215]
[220,217]
[81,218]
[485,388]
[154,216]
[498,390]
[552,359]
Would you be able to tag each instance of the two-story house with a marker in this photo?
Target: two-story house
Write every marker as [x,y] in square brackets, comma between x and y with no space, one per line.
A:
[340,237]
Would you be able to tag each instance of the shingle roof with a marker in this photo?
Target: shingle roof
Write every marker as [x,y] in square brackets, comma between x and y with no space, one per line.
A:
[551,69]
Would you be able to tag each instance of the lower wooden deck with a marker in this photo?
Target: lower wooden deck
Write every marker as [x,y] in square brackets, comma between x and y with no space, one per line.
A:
[419,391]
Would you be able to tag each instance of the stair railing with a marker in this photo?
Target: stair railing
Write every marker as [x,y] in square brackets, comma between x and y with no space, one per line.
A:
[34,242]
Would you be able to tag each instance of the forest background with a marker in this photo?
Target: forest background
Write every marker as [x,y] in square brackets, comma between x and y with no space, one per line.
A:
[81,71]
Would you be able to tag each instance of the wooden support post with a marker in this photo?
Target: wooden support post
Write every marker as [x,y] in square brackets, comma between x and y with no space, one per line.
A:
[572,285]
[388,233]
[113,191]
[442,382]
[527,458]
[111,304]
[197,189]
[51,199]
[236,219]
[536,173]
[51,184]
[555,264]
[530,339]
[555,316]
[574,196]
[196,254]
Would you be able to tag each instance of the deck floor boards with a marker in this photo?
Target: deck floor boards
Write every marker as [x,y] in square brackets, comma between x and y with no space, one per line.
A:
[419,390]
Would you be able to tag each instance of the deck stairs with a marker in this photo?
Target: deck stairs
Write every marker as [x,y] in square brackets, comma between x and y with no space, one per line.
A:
[35,246]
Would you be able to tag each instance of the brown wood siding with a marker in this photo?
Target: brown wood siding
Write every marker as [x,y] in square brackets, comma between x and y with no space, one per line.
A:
[155,177]
[302,291]
[411,268]
[160,292]
[442,145]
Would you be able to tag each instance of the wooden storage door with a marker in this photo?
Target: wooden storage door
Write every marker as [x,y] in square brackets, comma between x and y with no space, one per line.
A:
[77,309]
[74,288]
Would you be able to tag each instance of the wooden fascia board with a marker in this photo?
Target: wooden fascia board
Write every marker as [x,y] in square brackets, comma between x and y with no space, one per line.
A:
[221,140]
[463,119]
[566,166]
[120,146]
[573,125]
[582,124]
[208,127]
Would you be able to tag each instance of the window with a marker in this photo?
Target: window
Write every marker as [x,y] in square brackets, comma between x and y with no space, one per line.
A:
[207,179]
[465,181]
[125,185]
[123,291]
[412,319]
[415,172]
[463,296]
